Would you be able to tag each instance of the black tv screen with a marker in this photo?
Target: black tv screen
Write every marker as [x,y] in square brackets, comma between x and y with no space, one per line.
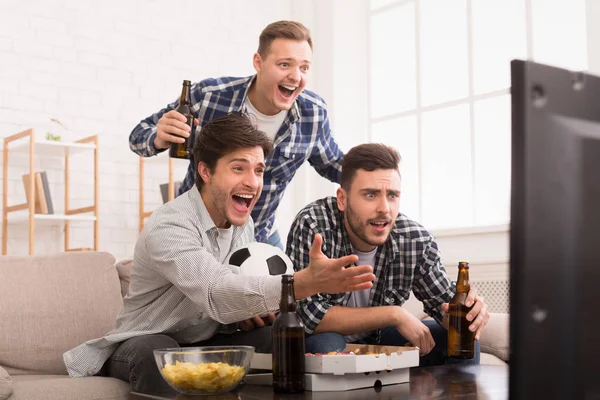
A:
[554,233]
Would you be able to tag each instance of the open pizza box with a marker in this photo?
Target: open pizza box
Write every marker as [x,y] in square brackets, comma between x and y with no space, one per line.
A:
[358,366]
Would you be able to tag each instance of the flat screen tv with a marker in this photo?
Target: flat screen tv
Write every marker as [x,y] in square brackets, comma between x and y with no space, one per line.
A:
[554,234]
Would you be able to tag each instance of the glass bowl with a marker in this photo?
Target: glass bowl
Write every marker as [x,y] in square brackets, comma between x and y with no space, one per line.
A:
[204,370]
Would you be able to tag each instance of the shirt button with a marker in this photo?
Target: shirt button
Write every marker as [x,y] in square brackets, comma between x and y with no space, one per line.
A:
[90,372]
[392,301]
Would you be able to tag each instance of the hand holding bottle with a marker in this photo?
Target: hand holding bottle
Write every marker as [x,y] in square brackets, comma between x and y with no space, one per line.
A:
[172,128]
[479,314]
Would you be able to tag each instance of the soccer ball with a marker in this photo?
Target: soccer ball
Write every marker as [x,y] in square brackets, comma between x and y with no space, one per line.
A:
[258,259]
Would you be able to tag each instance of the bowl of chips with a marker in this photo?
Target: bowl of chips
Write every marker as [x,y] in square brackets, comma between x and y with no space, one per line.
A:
[204,370]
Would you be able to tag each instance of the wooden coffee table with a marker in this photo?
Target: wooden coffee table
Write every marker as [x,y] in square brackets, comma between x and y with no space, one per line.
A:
[488,382]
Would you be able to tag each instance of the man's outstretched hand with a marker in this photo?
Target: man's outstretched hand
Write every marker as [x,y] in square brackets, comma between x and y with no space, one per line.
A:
[329,275]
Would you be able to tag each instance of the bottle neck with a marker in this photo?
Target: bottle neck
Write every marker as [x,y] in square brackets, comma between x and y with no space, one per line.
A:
[185,97]
[288,298]
[462,283]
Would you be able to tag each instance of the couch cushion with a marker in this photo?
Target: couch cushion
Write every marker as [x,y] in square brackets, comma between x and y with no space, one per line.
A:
[61,387]
[53,303]
[490,359]
[415,307]
[495,336]
[5,384]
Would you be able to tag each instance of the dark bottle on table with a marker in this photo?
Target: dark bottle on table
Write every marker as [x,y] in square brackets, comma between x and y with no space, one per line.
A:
[183,150]
[461,341]
[288,343]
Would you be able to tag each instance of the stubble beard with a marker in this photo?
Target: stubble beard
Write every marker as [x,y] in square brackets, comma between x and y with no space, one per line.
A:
[358,228]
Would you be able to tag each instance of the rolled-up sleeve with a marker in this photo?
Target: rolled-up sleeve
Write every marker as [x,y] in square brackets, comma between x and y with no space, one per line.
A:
[431,283]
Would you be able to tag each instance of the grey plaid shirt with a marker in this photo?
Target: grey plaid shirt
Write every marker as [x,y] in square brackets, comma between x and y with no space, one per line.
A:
[408,261]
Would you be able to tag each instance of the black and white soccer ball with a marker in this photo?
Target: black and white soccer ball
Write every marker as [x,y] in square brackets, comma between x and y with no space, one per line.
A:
[258,259]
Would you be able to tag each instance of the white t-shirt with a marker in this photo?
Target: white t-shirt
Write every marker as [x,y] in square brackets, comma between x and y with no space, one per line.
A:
[224,241]
[361,298]
[270,125]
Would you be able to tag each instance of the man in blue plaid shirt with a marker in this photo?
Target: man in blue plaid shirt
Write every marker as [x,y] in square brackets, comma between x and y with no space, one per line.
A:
[364,219]
[294,118]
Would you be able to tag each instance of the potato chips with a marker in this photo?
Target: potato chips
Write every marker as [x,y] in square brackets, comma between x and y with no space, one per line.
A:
[209,377]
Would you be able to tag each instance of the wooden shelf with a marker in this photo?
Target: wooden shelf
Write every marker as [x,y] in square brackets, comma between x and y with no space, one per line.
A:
[53,148]
[49,218]
[159,159]
[26,142]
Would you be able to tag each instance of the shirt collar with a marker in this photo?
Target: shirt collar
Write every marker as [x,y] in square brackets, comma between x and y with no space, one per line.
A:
[206,220]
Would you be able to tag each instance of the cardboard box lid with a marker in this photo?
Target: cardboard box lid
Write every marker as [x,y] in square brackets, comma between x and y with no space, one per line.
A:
[384,358]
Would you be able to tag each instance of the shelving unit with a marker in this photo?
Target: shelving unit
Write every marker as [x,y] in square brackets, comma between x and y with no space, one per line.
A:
[170,191]
[17,143]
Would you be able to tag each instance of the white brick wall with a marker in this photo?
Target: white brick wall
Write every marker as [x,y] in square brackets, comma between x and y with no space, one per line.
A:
[100,67]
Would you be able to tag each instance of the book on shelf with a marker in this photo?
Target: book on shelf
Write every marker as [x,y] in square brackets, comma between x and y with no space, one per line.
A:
[43,199]
[164,190]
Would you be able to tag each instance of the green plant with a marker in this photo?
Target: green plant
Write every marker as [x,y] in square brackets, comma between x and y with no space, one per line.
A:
[50,136]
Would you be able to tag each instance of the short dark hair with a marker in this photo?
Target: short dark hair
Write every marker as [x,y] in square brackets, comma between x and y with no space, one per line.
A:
[224,135]
[282,29]
[368,156]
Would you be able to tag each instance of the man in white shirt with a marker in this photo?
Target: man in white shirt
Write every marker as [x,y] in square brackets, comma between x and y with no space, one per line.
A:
[180,293]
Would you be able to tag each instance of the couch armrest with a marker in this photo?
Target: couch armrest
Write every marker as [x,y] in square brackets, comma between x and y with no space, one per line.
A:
[495,336]
[5,384]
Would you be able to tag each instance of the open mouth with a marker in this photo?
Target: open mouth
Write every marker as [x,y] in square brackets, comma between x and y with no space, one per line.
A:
[286,91]
[379,225]
[242,201]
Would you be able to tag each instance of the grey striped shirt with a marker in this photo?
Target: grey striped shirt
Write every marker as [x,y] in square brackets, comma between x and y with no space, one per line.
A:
[178,286]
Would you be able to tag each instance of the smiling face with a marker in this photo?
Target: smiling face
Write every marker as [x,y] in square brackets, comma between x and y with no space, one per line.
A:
[281,75]
[231,190]
[370,207]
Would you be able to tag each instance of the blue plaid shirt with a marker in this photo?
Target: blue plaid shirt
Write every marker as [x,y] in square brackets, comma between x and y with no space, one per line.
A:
[305,135]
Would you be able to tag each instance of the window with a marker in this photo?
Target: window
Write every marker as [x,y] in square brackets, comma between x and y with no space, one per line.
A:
[439,78]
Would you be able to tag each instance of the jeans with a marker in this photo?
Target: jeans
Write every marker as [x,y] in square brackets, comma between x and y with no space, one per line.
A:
[133,361]
[331,341]
[275,240]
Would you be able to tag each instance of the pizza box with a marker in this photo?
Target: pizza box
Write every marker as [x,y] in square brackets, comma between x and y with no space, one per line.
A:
[339,383]
[358,366]
[357,358]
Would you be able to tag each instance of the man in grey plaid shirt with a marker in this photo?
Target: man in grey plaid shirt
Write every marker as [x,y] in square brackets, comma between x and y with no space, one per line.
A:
[364,219]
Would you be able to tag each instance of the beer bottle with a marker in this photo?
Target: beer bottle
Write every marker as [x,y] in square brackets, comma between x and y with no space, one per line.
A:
[288,343]
[461,341]
[183,150]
